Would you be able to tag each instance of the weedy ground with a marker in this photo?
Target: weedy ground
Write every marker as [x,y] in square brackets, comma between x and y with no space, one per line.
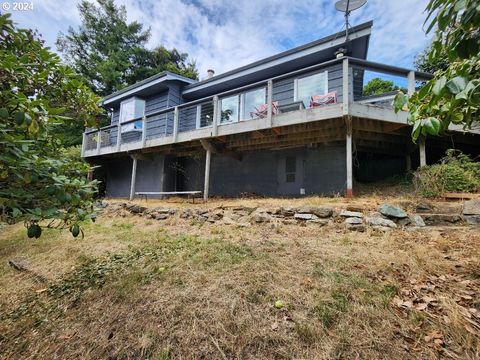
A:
[136,288]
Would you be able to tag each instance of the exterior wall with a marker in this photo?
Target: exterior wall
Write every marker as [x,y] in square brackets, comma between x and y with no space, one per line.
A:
[157,126]
[150,175]
[320,170]
[118,174]
[283,90]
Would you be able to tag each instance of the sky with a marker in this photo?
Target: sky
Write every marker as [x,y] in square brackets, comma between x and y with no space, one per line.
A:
[225,34]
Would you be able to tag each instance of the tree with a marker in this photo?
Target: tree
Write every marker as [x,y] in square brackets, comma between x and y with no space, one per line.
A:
[111,54]
[453,95]
[38,181]
[424,63]
[378,86]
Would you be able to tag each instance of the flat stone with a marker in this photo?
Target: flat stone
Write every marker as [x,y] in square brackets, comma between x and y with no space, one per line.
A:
[353,221]
[299,216]
[424,207]
[356,208]
[321,212]
[472,219]
[135,209]
[187,213]
[355,214]
[441,219]
[471,207]
[162,210]
[287,211]
[379,221]
[417,220]
[356,227]
[403,222]
[261,217]
[392,211]
[159,216]
[229,221]
[216,215]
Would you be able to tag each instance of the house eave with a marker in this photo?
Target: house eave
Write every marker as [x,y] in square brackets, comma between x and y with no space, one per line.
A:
[144,84]
[330,42]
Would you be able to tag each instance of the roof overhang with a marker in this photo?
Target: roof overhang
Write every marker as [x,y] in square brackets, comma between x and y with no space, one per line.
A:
[149,86]
[303,56]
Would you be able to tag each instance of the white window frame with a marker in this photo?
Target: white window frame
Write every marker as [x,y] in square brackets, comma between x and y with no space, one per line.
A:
[295,84]
[122,104]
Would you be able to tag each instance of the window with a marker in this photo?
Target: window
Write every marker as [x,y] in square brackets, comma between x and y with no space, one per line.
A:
[229,109]
[290,169]
[131,109]
[204,115]
[309,86]
[252,100]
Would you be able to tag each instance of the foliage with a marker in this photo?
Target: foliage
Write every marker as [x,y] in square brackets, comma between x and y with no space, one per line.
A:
[453,95]
[111,54]
[456,173]
[37,180]
[378,86]
[423,61]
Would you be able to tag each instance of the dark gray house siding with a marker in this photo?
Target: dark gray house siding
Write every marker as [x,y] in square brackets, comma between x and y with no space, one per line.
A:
[150,175]
[283,90]
[319,170]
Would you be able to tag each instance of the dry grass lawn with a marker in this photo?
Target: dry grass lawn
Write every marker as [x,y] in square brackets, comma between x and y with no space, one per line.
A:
[136,288]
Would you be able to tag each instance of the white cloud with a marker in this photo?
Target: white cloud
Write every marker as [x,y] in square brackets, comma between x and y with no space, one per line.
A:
[223,34]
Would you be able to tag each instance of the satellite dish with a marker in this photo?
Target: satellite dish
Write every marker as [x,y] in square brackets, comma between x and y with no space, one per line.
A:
[347,6]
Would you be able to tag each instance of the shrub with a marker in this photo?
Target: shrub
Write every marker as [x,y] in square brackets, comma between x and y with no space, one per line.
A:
[455,173]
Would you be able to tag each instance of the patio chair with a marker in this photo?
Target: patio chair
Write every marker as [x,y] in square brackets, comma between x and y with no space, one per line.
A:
[262,110]
[320,100]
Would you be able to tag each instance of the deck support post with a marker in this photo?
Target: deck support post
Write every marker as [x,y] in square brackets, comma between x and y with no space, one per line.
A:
[175,124]
[408,163]
[207,174]
[119,136]
[216,115]
[411,82]
[84,144]
[144,131]
[99,141]
[269,102]
[423,153]
[345,88]
[349,192]
[134,177]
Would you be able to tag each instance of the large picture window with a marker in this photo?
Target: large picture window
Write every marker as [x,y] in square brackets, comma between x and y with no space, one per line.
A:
[131,109]
[229,109]
[309,86]
[252,101]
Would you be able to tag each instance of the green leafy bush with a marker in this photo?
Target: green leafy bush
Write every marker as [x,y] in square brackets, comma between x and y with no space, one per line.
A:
[41,182]
[455,173]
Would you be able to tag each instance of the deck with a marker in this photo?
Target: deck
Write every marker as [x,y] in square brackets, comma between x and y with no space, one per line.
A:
[371,120]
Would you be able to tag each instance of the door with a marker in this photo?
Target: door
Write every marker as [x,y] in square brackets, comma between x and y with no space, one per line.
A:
[290,174]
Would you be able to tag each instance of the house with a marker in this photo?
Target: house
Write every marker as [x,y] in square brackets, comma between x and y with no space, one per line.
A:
[292,124]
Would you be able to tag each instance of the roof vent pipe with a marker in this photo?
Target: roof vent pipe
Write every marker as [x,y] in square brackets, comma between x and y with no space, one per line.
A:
[210,73]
